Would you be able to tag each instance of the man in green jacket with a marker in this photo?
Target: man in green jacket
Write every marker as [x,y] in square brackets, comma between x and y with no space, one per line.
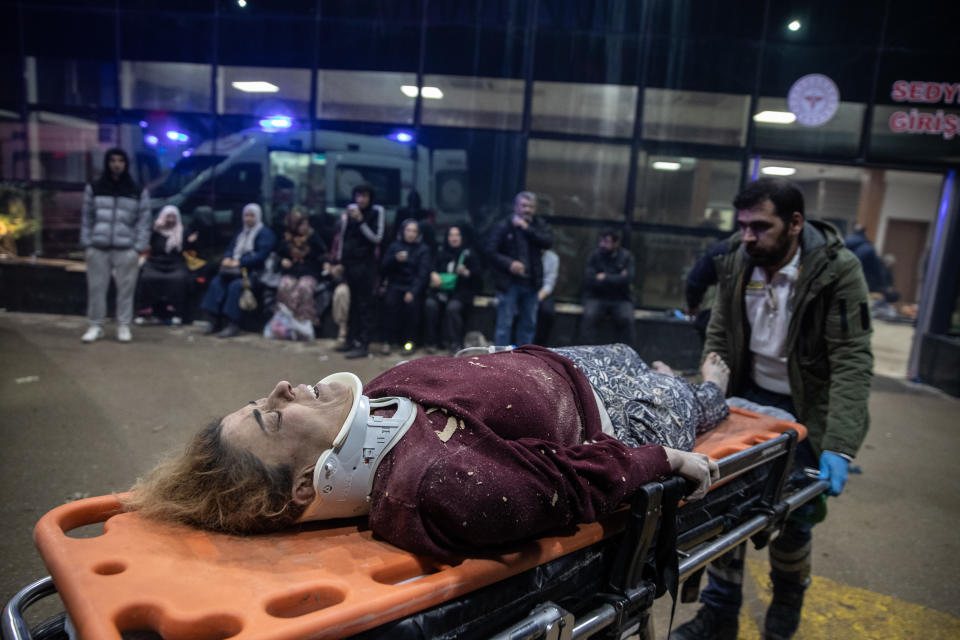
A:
[792,320]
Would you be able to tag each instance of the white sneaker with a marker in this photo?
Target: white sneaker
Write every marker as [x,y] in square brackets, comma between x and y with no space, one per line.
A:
[95,332]
[176,321]
[123,333]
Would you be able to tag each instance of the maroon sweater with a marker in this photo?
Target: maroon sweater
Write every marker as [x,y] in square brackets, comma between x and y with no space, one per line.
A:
[498,453]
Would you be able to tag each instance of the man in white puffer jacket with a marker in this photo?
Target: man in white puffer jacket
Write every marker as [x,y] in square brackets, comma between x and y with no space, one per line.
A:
[115,230]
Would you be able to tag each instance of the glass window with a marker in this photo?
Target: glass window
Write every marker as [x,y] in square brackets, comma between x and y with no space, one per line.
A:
[263,91]
[578,179]
[573,244]
[13,148]
[923,133]
[365,41]
[825,22]
[663,261]
[707,18]
[695,116]
[11,74]
[686,192]
[146,35]
[830,192]
[268,40]
[466,101]
[577,56]
[174,86]
[840,136]
[592,109]
[472,49]
[66,148]
[373,96]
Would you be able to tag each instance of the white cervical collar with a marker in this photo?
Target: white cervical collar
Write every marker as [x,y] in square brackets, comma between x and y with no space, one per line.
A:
[343,476]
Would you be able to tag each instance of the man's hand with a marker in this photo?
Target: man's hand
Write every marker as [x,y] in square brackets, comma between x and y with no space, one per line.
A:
[520,221]
[229,262]
[354,212]
[435,281]
[542,294]
[408,297]
[517,268]
[601,276]
[694,466]
[833,468]
[401,256]
[336,271]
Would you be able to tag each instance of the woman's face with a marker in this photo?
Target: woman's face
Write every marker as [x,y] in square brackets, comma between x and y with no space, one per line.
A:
[170,221]
[454,239]
[293,425]
[249,219]
[410,232]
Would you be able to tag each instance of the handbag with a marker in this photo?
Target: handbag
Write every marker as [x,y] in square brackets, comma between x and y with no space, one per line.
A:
[448,281]
[248,301]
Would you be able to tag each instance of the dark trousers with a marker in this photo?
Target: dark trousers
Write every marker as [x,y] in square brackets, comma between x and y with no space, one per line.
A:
[401,320]
[360,278]
[444,320]
[223,296]
[157,289]
[790,553]
[620,311]
[546,313]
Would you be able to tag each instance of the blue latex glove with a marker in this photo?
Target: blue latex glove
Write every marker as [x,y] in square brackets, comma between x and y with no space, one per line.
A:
[833,468]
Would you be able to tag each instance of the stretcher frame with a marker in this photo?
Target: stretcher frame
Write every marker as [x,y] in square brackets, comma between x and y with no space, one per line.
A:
[652,558]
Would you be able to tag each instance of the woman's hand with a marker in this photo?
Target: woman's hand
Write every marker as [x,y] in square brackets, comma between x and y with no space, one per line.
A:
[694,466]
[435,279]
[463,271]
[286,263]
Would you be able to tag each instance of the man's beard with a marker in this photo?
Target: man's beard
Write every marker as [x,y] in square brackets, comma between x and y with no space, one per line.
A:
[769,258]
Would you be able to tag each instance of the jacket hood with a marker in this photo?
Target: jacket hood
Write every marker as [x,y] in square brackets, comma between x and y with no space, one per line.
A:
[125,184]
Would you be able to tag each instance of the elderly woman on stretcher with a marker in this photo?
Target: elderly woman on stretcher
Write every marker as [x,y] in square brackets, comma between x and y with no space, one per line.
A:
[447,456]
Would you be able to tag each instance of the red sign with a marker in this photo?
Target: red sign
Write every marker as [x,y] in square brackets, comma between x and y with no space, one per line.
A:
[914,121]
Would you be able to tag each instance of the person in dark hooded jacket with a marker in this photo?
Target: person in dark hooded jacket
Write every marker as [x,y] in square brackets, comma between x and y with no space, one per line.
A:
[114,230]
[406,266]
[447,305]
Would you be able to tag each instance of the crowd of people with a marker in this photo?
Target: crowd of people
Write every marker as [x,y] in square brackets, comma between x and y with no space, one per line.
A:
[407,290]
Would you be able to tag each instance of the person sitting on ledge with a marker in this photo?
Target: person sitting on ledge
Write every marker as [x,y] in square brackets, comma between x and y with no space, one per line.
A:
[468,454]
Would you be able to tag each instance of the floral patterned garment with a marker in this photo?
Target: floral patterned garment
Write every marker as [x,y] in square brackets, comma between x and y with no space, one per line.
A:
[646,406]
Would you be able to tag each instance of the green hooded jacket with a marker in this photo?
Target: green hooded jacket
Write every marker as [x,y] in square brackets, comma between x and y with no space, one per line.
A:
[829,358]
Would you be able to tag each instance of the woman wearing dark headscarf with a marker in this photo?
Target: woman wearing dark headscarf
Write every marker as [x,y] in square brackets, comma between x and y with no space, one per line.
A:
[248,250]
[165,279]
[302,254]
[405,267]
[453,282]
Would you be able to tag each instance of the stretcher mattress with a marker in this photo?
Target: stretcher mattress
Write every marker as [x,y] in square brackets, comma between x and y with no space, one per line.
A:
[322,580]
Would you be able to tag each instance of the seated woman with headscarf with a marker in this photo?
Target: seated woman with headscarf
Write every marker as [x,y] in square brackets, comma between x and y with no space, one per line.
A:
[453,282]
[302,255]
[165,278]
[248,250]
[405,267]
[471,453]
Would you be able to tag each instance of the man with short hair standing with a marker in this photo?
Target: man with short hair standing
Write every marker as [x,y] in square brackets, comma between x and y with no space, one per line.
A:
[514,248]
[114,230]
[607,289]
[792,320]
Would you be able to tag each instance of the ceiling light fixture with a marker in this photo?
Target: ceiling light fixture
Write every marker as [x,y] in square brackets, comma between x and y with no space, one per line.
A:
[775,117]
[661,165]
[778,171]
[794,25]
[255,86]
[433,93]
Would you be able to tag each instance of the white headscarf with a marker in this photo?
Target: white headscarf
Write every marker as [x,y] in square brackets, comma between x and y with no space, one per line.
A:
[174,234]
[248,235]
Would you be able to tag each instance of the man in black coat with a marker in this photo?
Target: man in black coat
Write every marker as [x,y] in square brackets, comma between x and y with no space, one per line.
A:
[607,284]
[514,248]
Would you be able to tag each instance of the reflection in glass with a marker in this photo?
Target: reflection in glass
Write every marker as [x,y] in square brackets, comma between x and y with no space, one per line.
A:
[175,86]
[13,148]
[839,136]
[663,261]
[928,133]
[373,96]
[687,192]
[66,148]
[263,91]
[465,101]
[578,179]
[593,109]
[695,116]
[72,82]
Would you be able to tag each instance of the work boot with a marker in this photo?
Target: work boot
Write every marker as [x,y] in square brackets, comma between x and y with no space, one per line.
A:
[707,625]
[232,330]
[783,615]
[360,351]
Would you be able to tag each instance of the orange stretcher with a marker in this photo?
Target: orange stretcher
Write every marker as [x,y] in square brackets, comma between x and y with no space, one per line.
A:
[320,580]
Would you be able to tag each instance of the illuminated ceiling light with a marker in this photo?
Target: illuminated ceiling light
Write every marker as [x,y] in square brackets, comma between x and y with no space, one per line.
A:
[661,165]
[276,123]
[778,171]
[255,86]
[775,117]
[151,140]
[428,92]
[401,136]
[241,3]
[176,136]
[794,25]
